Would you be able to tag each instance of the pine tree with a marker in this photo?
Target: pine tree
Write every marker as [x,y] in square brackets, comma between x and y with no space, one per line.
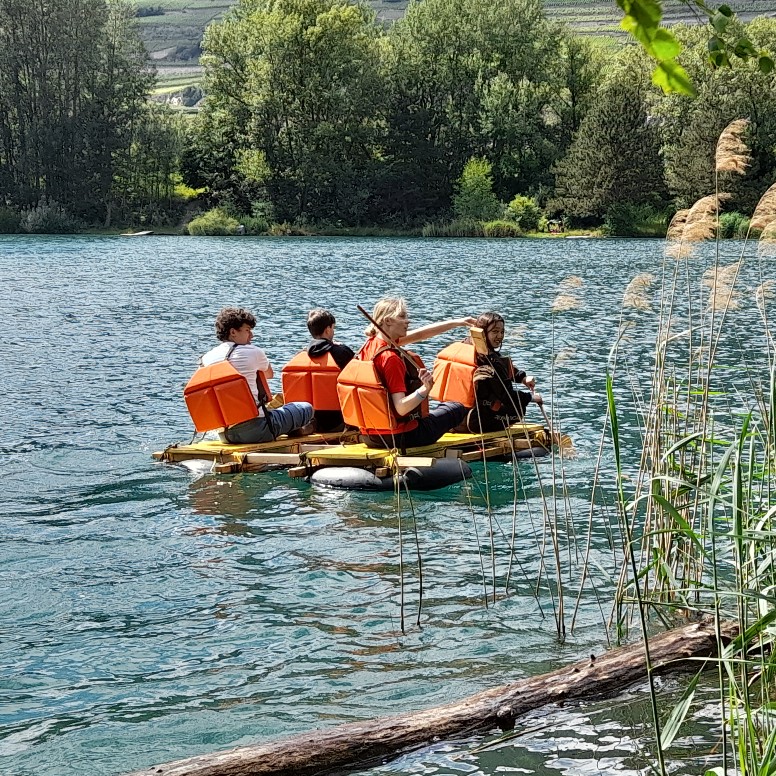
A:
[615,157]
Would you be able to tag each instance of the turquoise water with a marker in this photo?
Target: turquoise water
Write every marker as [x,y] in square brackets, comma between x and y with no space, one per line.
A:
[149,613]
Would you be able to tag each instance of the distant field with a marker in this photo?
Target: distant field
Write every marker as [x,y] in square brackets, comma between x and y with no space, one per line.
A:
[173,37]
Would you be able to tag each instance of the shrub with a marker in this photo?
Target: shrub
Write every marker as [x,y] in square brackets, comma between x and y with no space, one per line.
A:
[9,221]
[501,229]
[525,213]
[255,224]
[543,225]
[48,217]
[629,220]
[215,222]
[461,227]
[733,225]
[474,199]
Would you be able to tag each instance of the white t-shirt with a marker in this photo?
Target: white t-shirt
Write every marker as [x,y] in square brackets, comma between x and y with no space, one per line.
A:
[246,359]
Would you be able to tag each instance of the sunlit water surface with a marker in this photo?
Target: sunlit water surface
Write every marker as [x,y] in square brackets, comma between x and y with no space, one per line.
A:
[149,613]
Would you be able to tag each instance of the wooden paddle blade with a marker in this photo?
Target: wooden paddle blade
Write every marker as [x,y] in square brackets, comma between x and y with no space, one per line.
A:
[478,340]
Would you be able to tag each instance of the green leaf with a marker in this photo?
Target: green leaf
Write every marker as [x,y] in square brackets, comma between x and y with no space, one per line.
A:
[716,44]
[671,77]
[765,63]
[678,713]
[720,22]
[665,45]
[725,10]
[744,49]
[719,59]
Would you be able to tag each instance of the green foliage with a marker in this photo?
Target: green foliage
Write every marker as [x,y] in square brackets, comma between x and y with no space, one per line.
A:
[501,229]
[294,103]
[474,199]
[635,220]
[615,158]
[691,127]
[9,221]
[73,76]
[48,217]
[255,224]
[215,222]
[184,192]
[733,225]
[525,212]
[458,228]
[642,19]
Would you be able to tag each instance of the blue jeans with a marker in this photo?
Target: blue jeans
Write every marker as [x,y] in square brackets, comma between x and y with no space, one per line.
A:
[439,421]
[283,420]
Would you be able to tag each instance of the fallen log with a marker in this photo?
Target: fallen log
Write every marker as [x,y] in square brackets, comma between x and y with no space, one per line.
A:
[359,743]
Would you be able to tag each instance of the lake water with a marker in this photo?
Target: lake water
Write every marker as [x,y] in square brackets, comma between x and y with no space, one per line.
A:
[150,614]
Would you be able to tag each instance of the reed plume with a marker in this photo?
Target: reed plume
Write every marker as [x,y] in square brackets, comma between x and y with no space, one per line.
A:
[636,292]
[732,151]
[721,276]
[763,293]
[696,224]
[705,208]
[676,226]
[720,282]
[766,245]
[564,355]
[765,212]
[565,302]
[572,281]
[679,250]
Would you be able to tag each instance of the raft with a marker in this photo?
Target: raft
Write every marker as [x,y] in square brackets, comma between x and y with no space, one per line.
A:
[338,460]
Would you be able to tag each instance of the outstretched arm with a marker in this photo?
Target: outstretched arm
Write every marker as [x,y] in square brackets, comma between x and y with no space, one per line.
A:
[434,329]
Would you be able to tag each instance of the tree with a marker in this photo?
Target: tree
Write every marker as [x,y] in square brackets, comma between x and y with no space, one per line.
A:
[299,81]
[615,158]
[467,78]
[474,198]
[691,126]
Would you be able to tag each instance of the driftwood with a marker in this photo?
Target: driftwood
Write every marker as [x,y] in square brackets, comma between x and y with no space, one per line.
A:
[359,743]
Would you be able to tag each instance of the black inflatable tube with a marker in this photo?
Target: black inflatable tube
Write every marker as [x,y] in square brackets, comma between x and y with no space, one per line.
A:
[444,472]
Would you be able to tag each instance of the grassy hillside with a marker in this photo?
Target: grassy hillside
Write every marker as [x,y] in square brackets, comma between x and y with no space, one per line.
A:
[172,29]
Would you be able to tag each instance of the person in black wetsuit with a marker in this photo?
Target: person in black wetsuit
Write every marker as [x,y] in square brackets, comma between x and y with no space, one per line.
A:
[320,324]
[498,402]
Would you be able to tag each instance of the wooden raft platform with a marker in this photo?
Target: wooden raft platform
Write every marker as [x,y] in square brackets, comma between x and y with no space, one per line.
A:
[305,454]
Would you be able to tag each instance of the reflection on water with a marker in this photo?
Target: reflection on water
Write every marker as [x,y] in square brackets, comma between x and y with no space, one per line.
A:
[152,613]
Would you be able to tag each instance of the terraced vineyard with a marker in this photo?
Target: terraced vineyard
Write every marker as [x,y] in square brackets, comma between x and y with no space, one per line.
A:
[173,31]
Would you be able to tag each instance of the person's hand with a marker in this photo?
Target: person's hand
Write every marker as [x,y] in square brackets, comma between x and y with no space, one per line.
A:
[468,321]
[530,382]
[538,399]
[426,378]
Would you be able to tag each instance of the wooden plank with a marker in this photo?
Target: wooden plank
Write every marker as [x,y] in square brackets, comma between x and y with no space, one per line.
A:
[406,461]
[285,459]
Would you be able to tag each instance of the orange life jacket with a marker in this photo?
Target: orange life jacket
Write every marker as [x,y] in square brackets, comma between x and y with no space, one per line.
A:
[313,380]
[453,374]
[365,401]
[218,396]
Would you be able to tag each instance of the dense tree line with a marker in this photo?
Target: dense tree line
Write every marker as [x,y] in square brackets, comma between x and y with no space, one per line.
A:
[316,113]
[75,127]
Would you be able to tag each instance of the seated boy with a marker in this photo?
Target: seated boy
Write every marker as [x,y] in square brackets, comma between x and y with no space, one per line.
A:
[234,327]
[320,324]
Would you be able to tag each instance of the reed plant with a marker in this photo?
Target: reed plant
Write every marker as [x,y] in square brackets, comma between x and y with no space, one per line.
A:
[697,517]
